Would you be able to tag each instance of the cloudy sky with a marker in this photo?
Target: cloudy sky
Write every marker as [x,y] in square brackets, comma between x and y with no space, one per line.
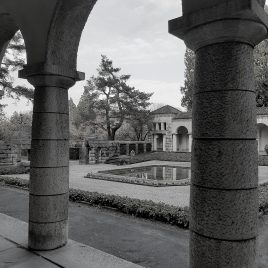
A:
[134,34]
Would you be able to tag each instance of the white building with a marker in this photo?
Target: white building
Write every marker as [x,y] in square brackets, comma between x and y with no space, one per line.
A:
[172,129]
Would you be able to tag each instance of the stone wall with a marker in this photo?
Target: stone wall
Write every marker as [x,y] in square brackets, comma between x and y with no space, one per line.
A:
[8,154]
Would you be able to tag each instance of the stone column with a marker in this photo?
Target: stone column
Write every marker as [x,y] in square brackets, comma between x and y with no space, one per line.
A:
[49,177]
[190,142]
[137,148]
[174,137]
[144,148]
[155,142]
[164,173]
[224,195]
[174,171]
[127,149]
[258,138]
[164,142]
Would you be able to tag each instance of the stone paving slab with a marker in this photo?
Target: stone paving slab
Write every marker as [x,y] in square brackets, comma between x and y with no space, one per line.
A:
[14,253]
[22,258]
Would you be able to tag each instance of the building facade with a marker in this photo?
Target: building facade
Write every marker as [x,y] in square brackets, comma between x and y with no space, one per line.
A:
[172,129]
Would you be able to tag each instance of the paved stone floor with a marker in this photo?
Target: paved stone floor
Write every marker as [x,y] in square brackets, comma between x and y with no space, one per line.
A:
[143,242]
[15,253]
[173,195]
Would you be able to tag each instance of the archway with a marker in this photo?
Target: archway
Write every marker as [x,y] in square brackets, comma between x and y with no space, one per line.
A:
[182,139]
[262,137]
[160,142]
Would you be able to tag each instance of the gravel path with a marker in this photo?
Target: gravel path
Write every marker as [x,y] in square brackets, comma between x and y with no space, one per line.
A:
[173,195]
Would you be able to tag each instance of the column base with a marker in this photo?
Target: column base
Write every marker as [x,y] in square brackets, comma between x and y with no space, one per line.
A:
[211,253]
[47,236]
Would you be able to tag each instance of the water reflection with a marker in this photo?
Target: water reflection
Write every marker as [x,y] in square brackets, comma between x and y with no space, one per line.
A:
[155,172]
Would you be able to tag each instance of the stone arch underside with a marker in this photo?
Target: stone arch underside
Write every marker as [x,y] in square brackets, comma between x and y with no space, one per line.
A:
[182,139]
[7,31]
[52,32]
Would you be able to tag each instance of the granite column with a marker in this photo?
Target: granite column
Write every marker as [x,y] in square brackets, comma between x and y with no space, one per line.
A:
[49,177]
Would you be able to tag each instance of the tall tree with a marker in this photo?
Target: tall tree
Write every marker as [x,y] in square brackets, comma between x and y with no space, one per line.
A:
[260,69]
[114,99]
[187,88]
[13,60]
[16,126]
[261,73]
[141,123]
[85,113]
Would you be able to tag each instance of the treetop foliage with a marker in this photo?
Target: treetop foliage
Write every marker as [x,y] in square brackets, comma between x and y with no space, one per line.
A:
[13,60]
[260,70]
[108,100]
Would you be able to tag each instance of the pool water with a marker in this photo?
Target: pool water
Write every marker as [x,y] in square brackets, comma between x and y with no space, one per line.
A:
[166,173]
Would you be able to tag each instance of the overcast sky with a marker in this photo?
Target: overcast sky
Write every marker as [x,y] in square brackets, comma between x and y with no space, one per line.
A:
[134,34]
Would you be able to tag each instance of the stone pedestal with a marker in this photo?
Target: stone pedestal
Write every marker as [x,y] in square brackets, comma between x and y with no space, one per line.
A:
[84,155]
[224,195]
[8,154]
[49,176]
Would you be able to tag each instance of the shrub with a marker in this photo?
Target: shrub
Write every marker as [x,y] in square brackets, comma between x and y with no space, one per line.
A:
[263,198]
[12,169]
[266,148]
[140,208]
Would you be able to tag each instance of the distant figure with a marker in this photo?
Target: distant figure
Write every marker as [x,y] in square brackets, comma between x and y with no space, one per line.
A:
[132,153]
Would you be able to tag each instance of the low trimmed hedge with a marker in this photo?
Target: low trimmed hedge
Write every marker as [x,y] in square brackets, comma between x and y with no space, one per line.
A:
[13,169]
[139,208]
[263,198]
[135,207]
[13,181]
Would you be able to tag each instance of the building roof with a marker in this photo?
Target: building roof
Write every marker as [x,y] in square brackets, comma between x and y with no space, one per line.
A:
[167,109]
[185,115]
[262,110]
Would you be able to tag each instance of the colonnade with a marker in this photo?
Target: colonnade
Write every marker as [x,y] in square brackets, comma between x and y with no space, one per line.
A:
[224,195]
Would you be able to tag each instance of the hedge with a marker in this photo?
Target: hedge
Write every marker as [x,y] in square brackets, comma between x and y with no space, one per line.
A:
[140,208]
[13,169]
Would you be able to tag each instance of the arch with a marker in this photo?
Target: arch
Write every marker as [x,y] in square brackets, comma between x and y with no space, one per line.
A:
[65,32]
[182,139]
[182,130]
[262,137]
[7,31]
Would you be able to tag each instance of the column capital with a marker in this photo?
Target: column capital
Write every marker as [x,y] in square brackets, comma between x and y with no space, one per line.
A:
[221,21]
[50,75]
